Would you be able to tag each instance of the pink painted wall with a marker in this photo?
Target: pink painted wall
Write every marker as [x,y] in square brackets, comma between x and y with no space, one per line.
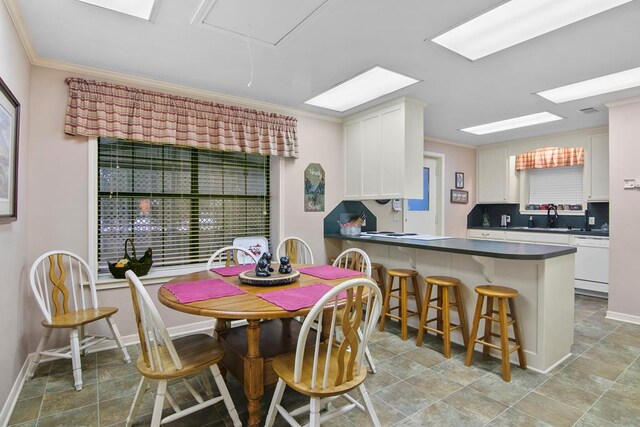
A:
[15,70]
[624,270]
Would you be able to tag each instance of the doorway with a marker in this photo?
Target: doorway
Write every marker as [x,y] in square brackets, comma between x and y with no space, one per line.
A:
[424,215]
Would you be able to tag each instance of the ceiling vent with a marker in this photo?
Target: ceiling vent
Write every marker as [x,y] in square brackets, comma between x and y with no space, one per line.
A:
[589,110]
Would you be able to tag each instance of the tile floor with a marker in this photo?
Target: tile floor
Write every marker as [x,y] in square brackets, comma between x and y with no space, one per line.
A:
[598,386]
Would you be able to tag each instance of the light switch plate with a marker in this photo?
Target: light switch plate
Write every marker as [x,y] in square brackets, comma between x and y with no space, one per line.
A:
[592,220]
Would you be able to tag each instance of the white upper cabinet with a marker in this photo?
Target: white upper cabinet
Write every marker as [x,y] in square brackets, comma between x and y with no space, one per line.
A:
[384,151]
[497,178]
[596,169]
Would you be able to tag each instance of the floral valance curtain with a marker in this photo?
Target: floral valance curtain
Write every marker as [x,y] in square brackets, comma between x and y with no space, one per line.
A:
[550,157]
[99,109]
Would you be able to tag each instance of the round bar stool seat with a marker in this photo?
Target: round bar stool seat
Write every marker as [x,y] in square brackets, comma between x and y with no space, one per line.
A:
[443,304]
[503,296]
[401,294]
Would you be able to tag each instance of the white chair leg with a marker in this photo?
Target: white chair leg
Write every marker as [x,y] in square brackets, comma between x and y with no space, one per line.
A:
[75,357]
[277,397]
[224,391]
[368,405]
[206,383]
[314,417]
[159,403]
[36,357]
[118,339]
[142,389]
[367,355]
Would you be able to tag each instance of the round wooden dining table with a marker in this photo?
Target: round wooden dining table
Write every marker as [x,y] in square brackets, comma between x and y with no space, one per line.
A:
[250,349]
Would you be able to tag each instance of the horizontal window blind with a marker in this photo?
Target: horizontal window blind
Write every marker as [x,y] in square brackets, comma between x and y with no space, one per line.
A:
[184,203]
[562,185]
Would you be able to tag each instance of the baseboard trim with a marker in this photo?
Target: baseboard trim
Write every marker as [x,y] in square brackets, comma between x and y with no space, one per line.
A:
[623,317]
[10,403]
[133,339]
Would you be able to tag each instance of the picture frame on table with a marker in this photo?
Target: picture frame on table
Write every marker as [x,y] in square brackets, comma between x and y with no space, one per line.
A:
[459,180]
[459,196]
[9,139]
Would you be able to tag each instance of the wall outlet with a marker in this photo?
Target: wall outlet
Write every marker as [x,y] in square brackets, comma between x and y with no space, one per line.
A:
[396,216]
[592,220]
[508,218]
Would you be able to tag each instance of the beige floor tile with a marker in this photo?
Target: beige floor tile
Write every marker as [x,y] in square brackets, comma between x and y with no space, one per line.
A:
[548,410]
[405,398]
[497,389]
[565,392]
[604,370]
[512,417]
[584,380]
[64,401]
[590,420]
[26,410]
[435,385]
[124,386]
[610,356]
[33,388]
[401,367]
[381,379]
[474,403]
[456,371]
[616,412]
[84,416]
[622,338]
[441,414]
[425,356]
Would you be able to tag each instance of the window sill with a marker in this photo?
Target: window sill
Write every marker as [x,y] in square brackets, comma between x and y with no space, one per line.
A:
[106,281]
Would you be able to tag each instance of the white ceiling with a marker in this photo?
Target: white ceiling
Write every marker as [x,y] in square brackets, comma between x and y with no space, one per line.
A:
[312,48]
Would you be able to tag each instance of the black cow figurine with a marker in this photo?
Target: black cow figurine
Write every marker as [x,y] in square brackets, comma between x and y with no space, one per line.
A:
[267,256]
[262,268]
[285,266]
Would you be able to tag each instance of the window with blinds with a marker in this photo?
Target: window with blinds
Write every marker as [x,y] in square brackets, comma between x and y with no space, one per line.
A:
[561,185]
[184,203]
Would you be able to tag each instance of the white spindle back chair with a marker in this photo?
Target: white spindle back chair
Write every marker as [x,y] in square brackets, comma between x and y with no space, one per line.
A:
[298,251]
[228,256]
[357,259]
[325,371]
[65,291]
[164,359]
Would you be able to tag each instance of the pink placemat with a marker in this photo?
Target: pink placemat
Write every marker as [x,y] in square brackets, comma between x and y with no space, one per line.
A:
[203,289]
[233,270]
[329,272]
[296,298]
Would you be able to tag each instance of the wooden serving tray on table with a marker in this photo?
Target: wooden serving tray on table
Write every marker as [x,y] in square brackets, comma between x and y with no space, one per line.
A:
[276,279]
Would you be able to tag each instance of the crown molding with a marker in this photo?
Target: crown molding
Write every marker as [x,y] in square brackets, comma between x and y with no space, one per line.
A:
[38,61]
[621,102]
[447,142]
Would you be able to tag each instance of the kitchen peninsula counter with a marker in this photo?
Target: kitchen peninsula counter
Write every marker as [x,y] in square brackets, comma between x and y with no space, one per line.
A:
[487,248]
[543,275]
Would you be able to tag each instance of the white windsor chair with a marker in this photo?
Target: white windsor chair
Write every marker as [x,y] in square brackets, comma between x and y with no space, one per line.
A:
[298,251]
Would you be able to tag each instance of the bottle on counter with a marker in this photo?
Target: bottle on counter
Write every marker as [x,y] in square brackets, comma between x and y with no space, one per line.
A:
[530,222]
[485,219]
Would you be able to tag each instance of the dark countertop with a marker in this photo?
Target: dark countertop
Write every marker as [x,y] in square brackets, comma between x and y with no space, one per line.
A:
[576,231]
[486,248]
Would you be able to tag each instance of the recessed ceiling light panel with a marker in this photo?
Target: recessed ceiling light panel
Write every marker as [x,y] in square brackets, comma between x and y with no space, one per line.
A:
[516,122]
[138,8]
[517,21]
[605,84]
[362,88]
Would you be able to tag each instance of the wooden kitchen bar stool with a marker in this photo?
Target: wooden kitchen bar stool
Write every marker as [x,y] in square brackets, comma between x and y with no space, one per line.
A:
[502,295]
[443,303]
[402,296]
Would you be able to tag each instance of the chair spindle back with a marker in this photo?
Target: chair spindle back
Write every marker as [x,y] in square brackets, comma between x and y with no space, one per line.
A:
[229,256]
[350,351]
[151,330]
[57,279]
[298,251]
[354,259]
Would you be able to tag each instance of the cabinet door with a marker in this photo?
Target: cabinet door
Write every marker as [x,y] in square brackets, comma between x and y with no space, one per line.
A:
[353,160]
[371,156]
[598,168]
[392,163]
[492,175]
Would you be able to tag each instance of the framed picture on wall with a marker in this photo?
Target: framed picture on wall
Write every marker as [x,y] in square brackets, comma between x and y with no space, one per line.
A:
[9,126]
[459,196]
[459,180]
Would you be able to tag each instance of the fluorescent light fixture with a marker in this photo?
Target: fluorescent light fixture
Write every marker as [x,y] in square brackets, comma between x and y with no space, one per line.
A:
[605,84]
[138,8]
[516,122]
[362,88]
[517,21]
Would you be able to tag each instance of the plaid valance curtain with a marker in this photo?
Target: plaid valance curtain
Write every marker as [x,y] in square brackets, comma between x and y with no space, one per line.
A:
[550,157]
[99,109]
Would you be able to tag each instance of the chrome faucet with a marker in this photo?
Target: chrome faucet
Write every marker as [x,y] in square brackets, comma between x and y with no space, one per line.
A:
[552,220]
